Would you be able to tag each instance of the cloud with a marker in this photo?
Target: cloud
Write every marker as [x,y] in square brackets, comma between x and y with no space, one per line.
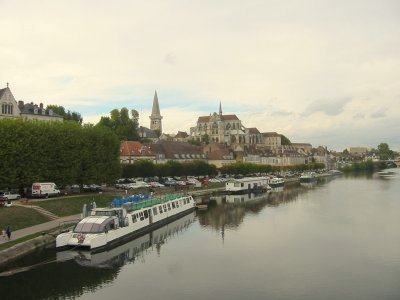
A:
[359,116]
[378,114]
[170,59]
[330,107]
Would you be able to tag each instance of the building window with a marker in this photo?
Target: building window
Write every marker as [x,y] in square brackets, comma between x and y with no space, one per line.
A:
[7,109]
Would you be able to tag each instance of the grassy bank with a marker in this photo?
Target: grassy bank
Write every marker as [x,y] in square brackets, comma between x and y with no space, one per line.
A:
[20,217]
[73,205]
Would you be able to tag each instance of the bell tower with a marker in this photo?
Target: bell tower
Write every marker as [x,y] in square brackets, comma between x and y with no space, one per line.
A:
[155,118]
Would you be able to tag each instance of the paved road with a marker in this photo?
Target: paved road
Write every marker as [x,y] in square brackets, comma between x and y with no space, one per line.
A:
[39,228]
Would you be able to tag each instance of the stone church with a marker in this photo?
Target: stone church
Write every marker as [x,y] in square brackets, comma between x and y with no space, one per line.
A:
[226,129]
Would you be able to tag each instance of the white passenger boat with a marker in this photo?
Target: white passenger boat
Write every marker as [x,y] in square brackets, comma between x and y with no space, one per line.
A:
[129,252]
[276,182]
[107,226]
[308,177]
[247,185]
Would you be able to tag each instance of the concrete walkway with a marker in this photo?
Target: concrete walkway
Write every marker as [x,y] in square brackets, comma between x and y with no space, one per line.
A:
[41,227]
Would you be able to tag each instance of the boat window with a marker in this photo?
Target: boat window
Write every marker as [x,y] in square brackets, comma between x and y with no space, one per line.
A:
[146,214]
[165,207]
[155,211]
[237,184]
[181,202]
[141,216]
[242,184]
[177,204]
[160,209]
[169,206]
[134,219]
[78,227]
[173,204]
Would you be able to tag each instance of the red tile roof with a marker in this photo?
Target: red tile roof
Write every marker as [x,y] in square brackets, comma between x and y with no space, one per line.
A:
[133,148]
[206,119]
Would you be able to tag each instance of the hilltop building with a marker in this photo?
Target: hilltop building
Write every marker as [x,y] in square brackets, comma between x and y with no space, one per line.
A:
[227,129]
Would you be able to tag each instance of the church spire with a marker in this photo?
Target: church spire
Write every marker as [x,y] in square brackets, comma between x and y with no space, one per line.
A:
[220,108]
[155,118]
[156,107]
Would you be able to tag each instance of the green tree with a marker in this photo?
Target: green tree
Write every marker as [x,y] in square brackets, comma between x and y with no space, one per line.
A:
[384,151]
[67,115]
[125,127]
[285,140]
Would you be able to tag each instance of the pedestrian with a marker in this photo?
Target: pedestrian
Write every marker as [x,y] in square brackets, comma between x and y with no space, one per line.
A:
[8,232]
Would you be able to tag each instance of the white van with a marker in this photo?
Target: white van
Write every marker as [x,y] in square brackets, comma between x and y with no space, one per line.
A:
[45,189]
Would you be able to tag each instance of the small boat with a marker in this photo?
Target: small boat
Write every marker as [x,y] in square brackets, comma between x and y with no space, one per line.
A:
[127,219]
[308,177]
[246,185]
[276,182]
[202,206]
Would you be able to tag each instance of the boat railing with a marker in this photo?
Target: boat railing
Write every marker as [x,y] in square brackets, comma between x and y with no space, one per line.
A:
[130,206]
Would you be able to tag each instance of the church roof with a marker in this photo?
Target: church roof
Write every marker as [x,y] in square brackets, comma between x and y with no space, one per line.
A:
[2,91]
[253,130]
[156,108]
[145,132]
[206,119]
[271,134]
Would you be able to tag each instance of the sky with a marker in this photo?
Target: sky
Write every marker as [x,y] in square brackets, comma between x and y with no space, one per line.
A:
[323,72]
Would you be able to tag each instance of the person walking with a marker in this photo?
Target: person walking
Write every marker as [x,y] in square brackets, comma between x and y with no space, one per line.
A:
[8,232]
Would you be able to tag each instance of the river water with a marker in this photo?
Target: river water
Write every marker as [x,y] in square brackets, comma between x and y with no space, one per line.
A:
[337,239]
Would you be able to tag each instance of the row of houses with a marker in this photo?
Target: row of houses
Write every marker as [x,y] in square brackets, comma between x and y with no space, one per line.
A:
[221,154]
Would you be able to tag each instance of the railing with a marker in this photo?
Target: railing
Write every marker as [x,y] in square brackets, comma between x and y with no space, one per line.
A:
[150,202]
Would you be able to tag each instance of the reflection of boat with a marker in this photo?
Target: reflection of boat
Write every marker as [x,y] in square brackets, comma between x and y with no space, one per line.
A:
[106,226]
[387,174]
[308,184]
[201,206]
[276,182]
[247,184]
[245,197]
[308,177]
[129,251]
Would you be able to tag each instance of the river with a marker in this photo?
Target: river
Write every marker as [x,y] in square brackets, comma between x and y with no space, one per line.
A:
[337,239]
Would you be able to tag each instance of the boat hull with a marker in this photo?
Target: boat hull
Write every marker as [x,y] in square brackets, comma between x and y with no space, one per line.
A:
[131,235]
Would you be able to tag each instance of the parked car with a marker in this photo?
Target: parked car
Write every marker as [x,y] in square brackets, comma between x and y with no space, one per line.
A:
[10,195]
[92,188]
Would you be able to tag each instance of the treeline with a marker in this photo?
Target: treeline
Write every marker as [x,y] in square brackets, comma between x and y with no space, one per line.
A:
[64,153]
[366,166]
[145,168]
[249,168]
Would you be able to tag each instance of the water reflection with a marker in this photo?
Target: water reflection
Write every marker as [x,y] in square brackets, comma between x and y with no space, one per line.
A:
[66,278]
[228,211]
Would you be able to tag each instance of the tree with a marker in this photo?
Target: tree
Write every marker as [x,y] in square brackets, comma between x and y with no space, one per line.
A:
[285,140]
[206,139]
[67,115]
[384,151]
[125,127]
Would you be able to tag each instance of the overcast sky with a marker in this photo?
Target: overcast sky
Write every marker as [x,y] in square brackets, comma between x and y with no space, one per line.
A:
[324,72]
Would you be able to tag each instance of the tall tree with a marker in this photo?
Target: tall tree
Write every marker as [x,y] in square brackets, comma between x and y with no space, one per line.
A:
[124,126]
[385,152]
[67,115]
[285,140]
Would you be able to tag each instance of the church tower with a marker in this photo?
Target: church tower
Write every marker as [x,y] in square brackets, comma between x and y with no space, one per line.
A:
[155,118]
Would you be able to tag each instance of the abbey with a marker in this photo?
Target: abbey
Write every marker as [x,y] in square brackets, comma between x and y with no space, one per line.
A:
[226,129]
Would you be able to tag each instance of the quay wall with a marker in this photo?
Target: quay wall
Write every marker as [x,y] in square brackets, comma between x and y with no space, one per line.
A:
[22,249]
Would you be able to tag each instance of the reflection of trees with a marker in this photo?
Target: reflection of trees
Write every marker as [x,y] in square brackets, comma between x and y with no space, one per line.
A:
[88,272]
[231,215]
